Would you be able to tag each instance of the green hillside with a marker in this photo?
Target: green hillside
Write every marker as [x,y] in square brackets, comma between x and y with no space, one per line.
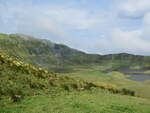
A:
[42,53]
[61,58]
[25,88]
[18,78]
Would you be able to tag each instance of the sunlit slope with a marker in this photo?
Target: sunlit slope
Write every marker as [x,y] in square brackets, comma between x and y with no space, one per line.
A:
[18,78]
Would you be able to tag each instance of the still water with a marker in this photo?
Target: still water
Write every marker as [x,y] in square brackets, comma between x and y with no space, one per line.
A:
[136,77]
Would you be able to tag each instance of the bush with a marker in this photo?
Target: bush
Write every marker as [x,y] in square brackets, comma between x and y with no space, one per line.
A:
[66,87]
[127,92]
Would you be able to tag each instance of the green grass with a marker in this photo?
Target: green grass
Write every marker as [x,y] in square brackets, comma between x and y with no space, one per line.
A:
[77,102]
[19,78]
[142,89]
[48,92]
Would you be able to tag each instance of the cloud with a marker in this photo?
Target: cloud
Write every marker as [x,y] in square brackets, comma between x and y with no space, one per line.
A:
[122,38]
[29,18]
[76,18]
[129,41]
[124,27]
[53,20]
[125,41]
[134,8]
[135,41]
[147,18]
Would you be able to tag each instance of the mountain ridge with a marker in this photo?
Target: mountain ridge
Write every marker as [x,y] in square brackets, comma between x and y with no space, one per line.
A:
[53,56]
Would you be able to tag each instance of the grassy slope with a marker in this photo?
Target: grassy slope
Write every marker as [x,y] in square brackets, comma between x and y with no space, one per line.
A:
[78,102]
[142,89]
[46,92]
[18,78]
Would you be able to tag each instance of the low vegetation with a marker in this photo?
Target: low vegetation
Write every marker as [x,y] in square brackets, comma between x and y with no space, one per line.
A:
[90,101]
[19,79]
[82,88]
[22,83]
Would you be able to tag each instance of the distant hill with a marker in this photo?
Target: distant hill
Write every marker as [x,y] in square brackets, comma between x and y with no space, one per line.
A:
[58,57]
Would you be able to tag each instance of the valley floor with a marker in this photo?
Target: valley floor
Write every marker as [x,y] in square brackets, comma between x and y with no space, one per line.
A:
[141,89]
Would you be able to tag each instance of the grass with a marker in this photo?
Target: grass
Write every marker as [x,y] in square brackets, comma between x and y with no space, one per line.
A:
[40,91]
[48,92]
[77,102]
[147,72]
[142,89]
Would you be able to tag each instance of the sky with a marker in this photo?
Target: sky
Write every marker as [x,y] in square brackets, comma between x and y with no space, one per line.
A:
[93,26]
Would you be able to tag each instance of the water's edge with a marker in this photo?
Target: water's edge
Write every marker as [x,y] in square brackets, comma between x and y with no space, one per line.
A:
[136,75]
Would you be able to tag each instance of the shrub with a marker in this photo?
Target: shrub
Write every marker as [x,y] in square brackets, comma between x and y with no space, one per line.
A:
[66,87]
[127,92]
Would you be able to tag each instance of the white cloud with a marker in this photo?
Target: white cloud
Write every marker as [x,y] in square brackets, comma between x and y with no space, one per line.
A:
[125,41]
[30,19]
[26,17]
[76,18]
[130,41]
[136,40]
[134,8]
[147,19]
[63,23]
[54,21]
